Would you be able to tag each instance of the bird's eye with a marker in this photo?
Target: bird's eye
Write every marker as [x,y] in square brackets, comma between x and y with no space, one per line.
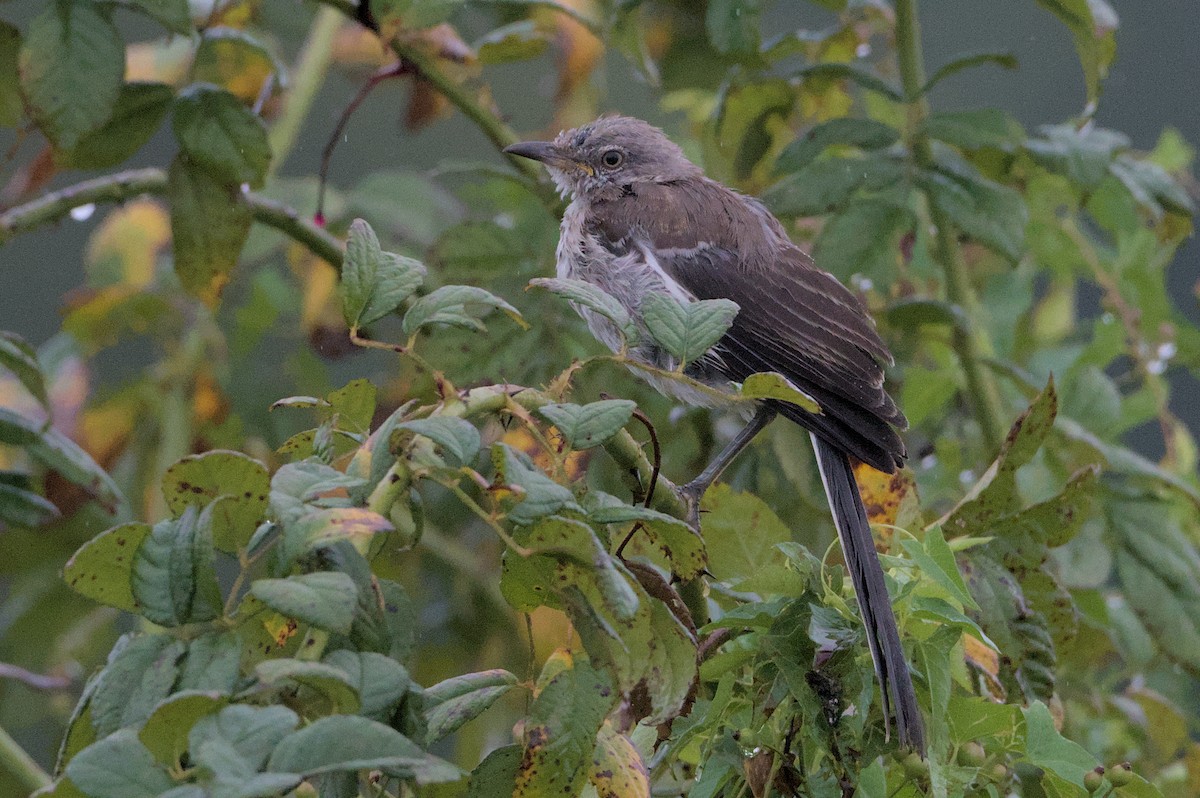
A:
[612,159]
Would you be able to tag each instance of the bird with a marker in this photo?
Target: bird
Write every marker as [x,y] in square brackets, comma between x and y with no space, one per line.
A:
[643,219]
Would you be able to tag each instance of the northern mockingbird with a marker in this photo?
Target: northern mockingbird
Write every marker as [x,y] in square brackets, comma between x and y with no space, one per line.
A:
[643,219]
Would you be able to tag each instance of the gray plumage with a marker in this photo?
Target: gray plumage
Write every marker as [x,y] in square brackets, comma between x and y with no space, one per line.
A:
[643,219]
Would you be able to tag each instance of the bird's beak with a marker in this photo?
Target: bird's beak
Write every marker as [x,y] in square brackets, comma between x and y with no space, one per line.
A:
[548,153]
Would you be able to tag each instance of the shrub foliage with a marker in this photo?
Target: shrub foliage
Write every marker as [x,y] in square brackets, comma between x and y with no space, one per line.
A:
[461,571]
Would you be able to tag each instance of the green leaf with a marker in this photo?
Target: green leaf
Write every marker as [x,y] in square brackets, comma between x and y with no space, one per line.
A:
[495,776]
[839,71]
[865,134]
[380,681]
[993,214]
[325,599]
[688,330]
[733,25]
[773,385]
[579,555]
[354,404]
[1046,748]
[585,426]
[1151,186]
[12,108]
[202,479]
[1159,572]
[1082,156]
[959,63]
[863,238]
[1092,24]
[18,430]
[319,529]
[458,306]
[560,732]
[454,702]
[1118,458]
[72,66]
[102,568]
[819,187]
[165,733]
[297,486]
[936,561]
[59,453]
[538,494]
[742,533]
[221,136]
[252,733]
[23,508]
[140,672]
[675,539]
[213,662]
[137,115]
[974,129]
[174,15]
[994,495]
[585,295]
[332,683]
[517,41]
[209,224]
[173,578]
[374,282]
[349,742]
[458,437]
[118,766]
[20,358]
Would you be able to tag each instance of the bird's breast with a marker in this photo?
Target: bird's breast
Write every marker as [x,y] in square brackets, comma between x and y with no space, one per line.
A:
[628,271]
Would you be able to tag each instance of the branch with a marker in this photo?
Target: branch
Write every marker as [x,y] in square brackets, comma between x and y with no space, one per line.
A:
[37,681]
[126,185]
[487,120]
[21,765]
[972,344]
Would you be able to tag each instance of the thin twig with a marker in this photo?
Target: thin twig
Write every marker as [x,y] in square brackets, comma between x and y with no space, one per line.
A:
[126,185]
[397,69]
[38,681]
[487,517]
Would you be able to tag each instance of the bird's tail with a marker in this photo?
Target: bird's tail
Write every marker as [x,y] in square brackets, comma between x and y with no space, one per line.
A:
[862,562]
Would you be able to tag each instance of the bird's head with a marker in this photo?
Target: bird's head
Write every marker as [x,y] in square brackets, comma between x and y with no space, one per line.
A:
[601,158]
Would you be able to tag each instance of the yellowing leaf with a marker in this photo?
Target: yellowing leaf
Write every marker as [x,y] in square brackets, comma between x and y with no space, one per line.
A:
[617,769]
[235,61]
[130,239]
[984,658]
[891,499]
[163,61]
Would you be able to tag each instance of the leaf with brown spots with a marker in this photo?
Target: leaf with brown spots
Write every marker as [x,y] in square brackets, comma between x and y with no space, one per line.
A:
[560,733]
[890,499]
[995,494]
[200,479]
[617,769]
[102,567]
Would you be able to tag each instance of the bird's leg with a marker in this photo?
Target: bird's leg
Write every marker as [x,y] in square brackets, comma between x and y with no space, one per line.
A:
[694,490]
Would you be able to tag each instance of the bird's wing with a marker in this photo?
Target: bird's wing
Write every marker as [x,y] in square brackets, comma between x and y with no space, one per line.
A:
[795,318]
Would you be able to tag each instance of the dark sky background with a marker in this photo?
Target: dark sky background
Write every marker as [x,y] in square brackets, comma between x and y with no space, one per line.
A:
[1154,83]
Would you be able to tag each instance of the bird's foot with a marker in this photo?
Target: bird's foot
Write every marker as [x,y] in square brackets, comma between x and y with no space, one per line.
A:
[691,494]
